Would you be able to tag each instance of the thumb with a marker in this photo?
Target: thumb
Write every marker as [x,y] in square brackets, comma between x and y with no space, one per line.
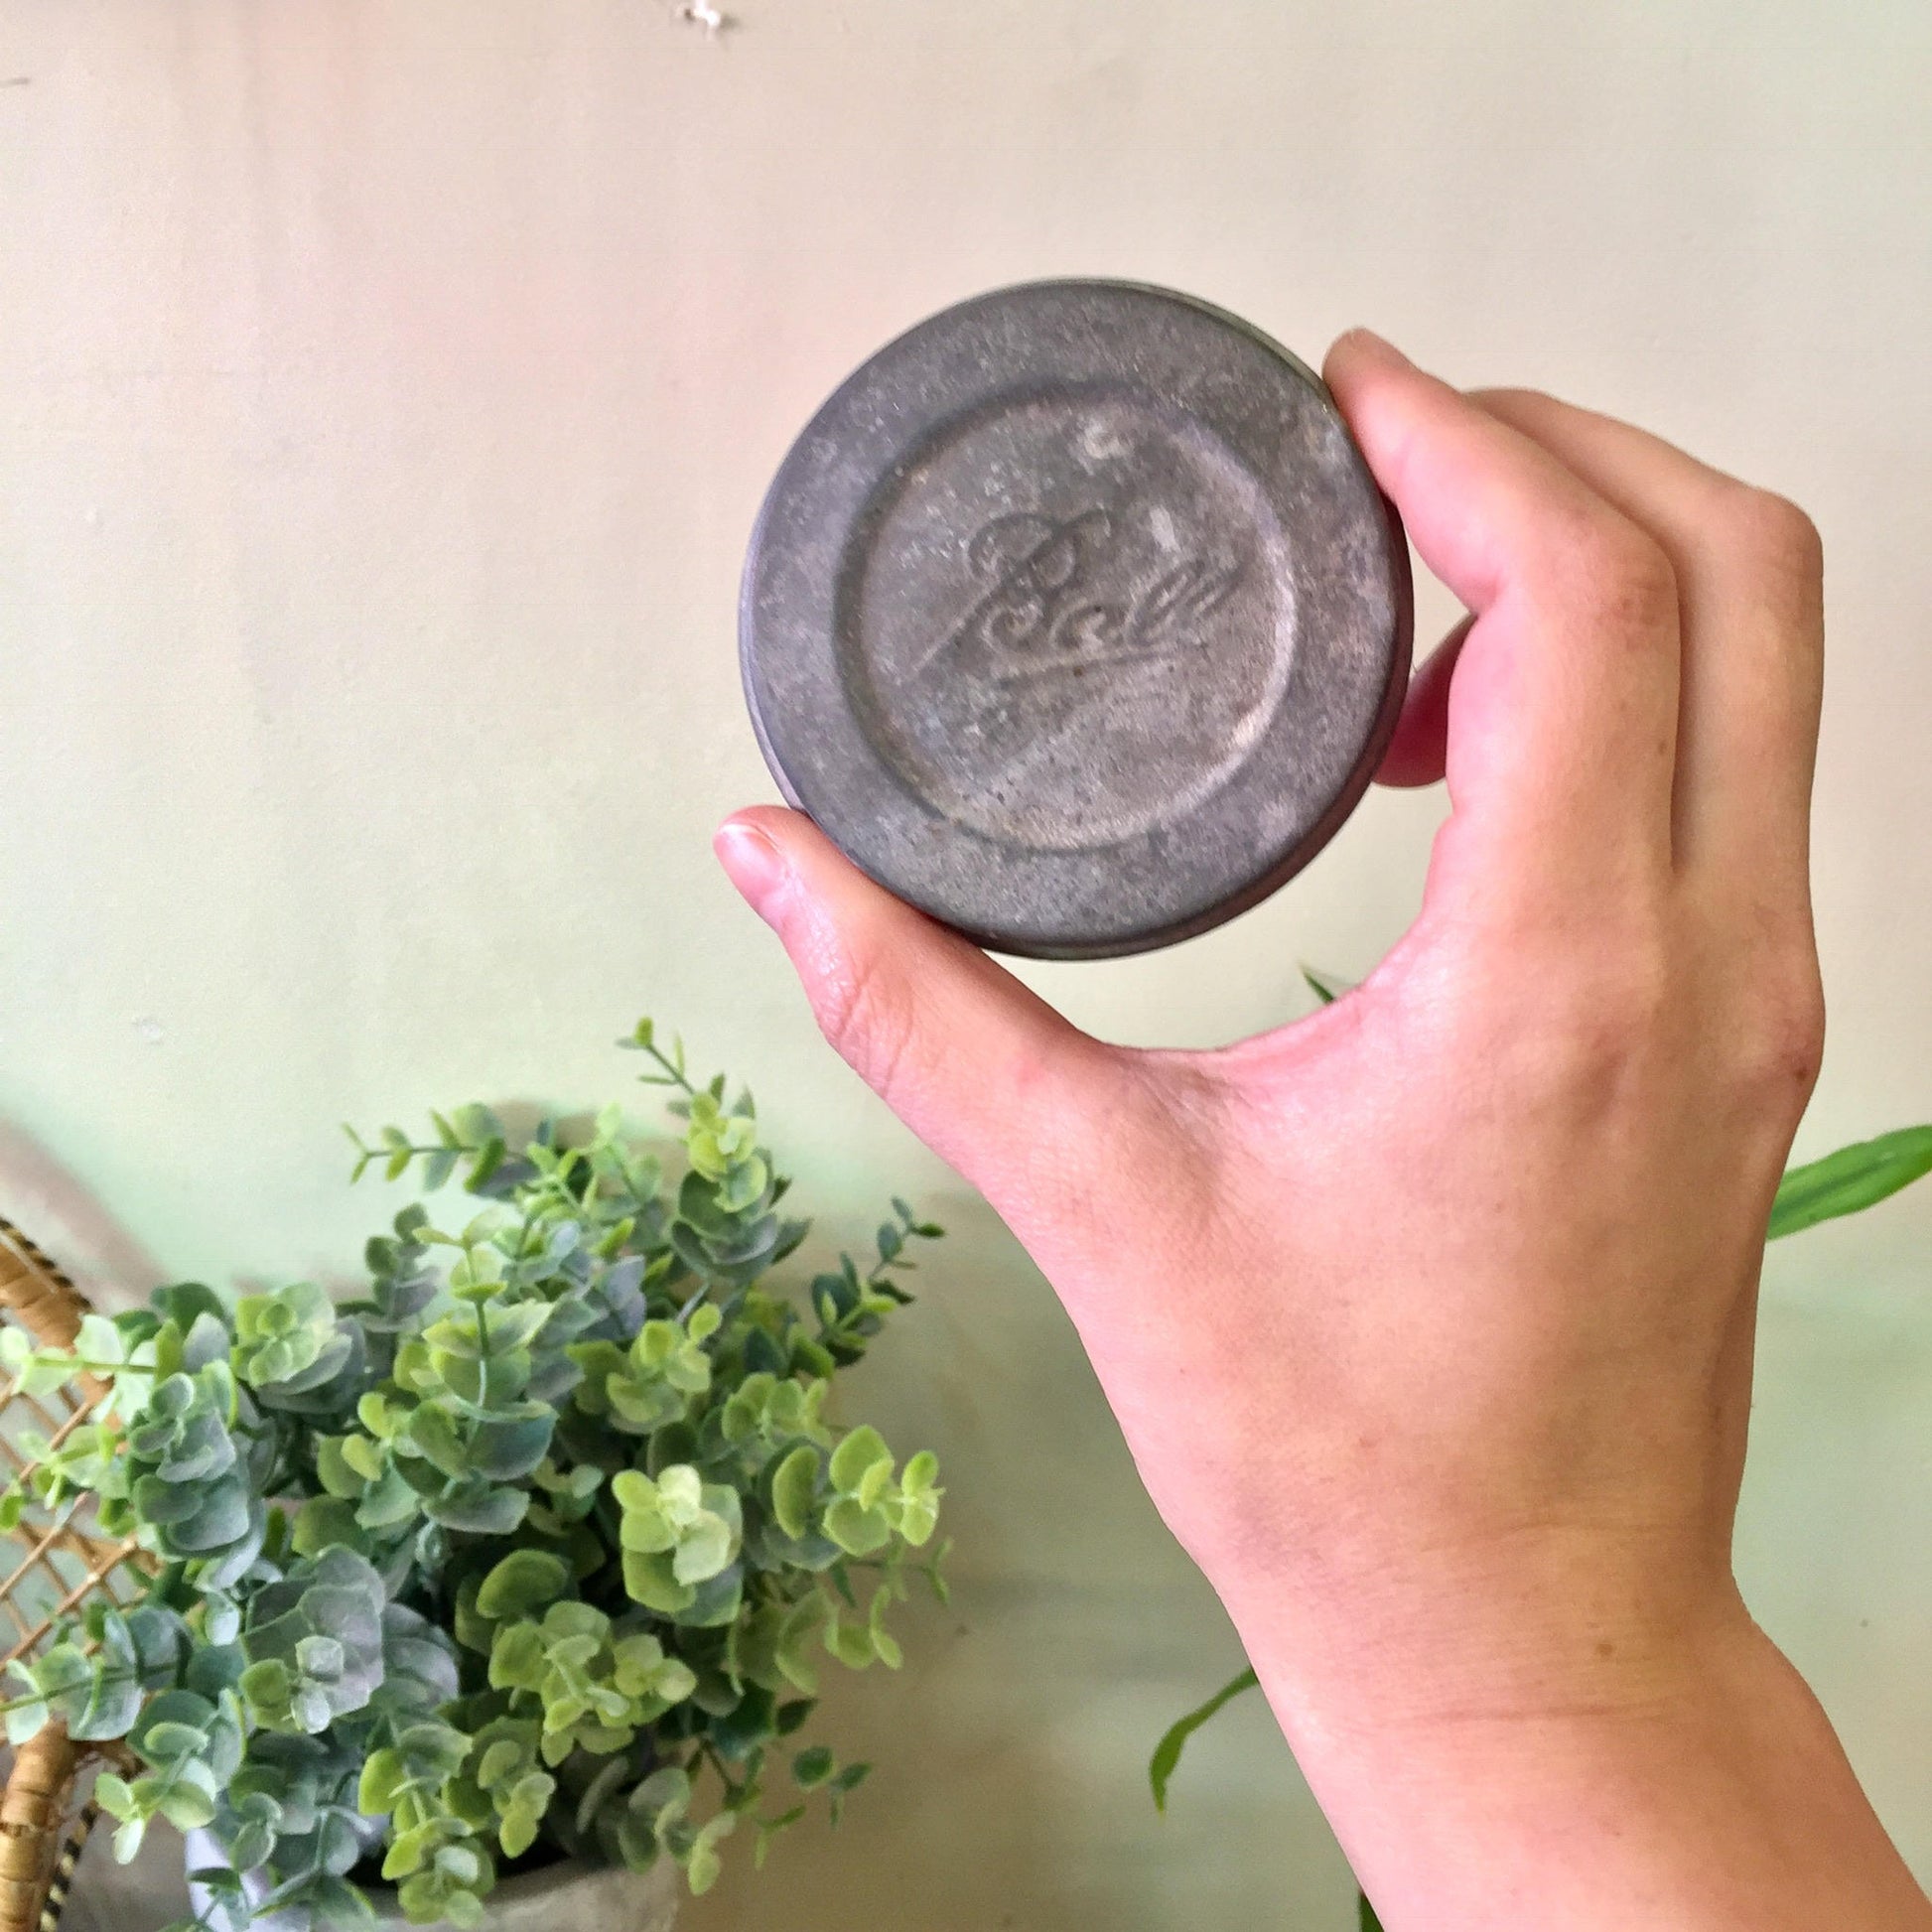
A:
[978,1066]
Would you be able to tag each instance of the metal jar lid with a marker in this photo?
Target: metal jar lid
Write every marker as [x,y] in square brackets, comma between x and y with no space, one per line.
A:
[1075,619]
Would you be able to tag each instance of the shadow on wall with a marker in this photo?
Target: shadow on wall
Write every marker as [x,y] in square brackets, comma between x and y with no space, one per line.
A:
[44,1201]
[1024,1717]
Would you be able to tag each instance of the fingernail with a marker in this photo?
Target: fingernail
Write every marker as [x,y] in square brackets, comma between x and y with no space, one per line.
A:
[756,866]
[1367,342]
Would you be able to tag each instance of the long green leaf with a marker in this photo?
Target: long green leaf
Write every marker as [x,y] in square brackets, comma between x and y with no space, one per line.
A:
[1166,1755]
[1324,986]
[1854,1178]
[1370,1923]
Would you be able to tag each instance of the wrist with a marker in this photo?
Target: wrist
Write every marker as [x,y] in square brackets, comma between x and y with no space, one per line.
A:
[1410,1629]
[1689,1781]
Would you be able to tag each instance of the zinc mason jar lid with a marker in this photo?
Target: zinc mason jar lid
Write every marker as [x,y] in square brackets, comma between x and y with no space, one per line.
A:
[1075,619]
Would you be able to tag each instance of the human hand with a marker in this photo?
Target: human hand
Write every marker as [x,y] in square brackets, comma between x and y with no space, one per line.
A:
[1429,1319]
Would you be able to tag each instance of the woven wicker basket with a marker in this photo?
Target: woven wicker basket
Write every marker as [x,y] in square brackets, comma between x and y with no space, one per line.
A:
[49,1564]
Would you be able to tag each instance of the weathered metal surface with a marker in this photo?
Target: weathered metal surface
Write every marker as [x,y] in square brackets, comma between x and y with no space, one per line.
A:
[1075,619]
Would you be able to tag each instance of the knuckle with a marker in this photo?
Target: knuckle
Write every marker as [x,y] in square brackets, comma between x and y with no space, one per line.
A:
[1782,1040]
[1518,404]
[1618,576]
[1636,585]
[1594,1018]
[1774,544]
[1772,532]
[1645,980]
[1616,1011]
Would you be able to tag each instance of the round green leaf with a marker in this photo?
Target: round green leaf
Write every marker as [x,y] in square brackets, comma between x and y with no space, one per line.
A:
[523,1582]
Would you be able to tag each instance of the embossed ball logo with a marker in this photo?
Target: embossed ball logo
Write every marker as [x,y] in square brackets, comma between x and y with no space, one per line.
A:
[1055,605]
[1066,622]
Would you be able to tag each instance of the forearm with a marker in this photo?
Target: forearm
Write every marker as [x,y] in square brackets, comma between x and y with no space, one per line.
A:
[1725,1806]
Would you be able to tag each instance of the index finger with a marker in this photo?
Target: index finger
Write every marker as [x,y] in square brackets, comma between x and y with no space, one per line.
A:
[1563,710]
[1750,575]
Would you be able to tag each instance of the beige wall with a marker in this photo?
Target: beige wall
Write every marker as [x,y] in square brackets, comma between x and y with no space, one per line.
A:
[385,391]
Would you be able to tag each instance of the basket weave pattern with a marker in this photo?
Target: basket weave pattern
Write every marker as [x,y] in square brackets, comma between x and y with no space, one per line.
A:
[49,1564]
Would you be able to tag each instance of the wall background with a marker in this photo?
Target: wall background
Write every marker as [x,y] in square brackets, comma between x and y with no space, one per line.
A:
[385,392]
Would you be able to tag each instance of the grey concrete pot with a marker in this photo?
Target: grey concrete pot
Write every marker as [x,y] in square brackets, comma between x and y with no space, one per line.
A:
[567,1897]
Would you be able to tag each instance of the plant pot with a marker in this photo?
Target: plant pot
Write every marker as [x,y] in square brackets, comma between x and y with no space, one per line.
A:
[563,1897]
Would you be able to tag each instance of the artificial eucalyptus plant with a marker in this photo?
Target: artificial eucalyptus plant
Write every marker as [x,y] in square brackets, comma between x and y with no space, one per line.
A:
[538,1546]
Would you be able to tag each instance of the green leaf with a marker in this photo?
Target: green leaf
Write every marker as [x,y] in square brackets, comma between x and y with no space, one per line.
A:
[321,1522]
[473,1506]
[99,1341]
[703,1551]
[111,1710]
[701,1867]
[334,1471]
[858,1531]
[517,1658]
[1166,1755]
[885,1647]
[1324,986]
[185,1804]
[167,1740]
[665,1796]
[463,1910]
[633,1490]
[44,1374]
[769,1829]
[1853,1178]
[116,1800]
[804,1621]
[523,1582]
[384,1776]
[1369,1922]
[856,1457]
[848,1780]
[794,1490]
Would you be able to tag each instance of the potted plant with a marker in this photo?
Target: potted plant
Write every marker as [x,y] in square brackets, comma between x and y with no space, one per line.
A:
[526,1560]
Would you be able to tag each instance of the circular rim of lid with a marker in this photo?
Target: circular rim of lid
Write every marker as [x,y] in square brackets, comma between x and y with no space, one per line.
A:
[854,449]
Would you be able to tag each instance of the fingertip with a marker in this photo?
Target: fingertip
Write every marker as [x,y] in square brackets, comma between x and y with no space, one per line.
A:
[1386,400]
[1410,765]
[1359,344]
[753,862]
[795,878]
[1358,355]
[769,821]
